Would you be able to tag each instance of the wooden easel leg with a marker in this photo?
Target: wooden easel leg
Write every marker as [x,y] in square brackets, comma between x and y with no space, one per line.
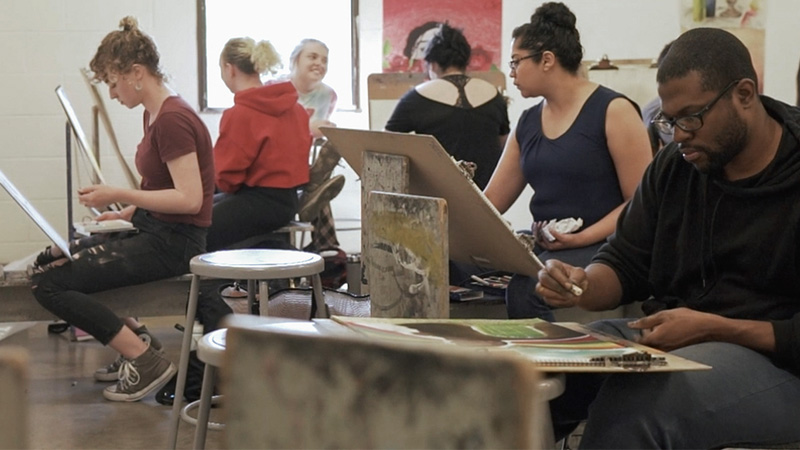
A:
[381,172]
[407,257]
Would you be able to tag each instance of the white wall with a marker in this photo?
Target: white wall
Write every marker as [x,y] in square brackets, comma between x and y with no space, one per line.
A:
[43,43]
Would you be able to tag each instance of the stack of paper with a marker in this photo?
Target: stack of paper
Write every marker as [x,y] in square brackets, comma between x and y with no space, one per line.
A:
[105,226]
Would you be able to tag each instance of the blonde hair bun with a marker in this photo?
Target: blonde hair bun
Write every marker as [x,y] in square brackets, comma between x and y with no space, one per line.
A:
[265,58]
[129,23]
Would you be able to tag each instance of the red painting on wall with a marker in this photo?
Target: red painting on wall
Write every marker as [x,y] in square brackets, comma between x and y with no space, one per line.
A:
[409,24]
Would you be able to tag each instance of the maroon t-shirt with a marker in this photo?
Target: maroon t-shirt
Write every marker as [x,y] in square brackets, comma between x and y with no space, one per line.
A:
[176,131]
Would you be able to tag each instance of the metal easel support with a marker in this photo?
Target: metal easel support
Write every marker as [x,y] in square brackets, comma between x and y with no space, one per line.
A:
[70,222]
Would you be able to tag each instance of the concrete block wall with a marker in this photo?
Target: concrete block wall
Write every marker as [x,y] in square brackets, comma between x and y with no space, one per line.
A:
[43,44]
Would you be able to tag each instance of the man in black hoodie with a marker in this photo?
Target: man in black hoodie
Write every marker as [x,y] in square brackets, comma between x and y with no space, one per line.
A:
[711,243]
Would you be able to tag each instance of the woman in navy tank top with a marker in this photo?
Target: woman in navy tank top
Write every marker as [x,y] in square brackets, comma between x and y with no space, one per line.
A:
[583,150]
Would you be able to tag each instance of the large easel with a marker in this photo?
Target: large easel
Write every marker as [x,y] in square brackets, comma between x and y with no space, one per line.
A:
[416,166]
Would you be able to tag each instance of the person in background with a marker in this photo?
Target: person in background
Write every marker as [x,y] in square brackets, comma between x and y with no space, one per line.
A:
[709,243]
[261,159]
[657,139]
[171,211]
[468,116]
[583,149]
[261,155]
[308,66]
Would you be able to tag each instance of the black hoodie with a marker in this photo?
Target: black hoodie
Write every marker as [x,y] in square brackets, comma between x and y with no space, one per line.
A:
[731,248]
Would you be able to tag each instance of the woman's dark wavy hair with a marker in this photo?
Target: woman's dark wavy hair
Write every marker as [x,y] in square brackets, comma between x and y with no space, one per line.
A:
[552,28]
[716,55]
[448,48]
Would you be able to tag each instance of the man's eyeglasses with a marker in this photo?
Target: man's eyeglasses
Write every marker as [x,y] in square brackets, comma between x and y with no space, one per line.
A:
[515,62]
[692,122]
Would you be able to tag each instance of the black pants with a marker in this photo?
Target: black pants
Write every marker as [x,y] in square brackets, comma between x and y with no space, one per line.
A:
[249,212]
[158,250]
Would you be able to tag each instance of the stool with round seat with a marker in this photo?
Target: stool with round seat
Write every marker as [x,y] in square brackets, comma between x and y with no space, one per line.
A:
[253,265]
[210,350]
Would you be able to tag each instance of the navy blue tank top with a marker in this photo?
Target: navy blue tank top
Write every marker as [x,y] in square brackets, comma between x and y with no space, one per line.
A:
[572,175]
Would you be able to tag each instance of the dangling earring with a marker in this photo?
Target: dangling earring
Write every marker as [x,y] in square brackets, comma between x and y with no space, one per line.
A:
[138,87]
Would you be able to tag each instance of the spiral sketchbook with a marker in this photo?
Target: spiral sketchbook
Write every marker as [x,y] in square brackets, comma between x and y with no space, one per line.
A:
[552,347]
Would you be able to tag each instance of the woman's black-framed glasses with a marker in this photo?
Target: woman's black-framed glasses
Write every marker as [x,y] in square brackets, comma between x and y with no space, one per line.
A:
[515,62]
[691,122]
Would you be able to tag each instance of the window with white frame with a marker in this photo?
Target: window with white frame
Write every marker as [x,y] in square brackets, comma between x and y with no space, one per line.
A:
[284,23]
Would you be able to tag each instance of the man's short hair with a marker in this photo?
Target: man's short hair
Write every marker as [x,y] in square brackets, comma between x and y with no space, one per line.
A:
[716,55]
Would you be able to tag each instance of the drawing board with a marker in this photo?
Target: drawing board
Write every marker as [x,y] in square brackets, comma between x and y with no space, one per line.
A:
[477,232]
[77,129]
[552,347]
[34,214]
[83,144]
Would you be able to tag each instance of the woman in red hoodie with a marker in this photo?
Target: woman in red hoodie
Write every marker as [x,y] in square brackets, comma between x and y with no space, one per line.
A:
[260,160]
[261,155]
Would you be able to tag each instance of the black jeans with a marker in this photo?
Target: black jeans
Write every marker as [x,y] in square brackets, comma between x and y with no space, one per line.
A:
[158,250]
[249,212]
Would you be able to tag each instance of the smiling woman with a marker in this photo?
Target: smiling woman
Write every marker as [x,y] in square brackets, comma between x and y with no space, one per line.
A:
[331,22]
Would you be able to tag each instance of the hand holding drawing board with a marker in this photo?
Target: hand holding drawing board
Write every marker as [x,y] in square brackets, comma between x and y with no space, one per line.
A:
[478,233]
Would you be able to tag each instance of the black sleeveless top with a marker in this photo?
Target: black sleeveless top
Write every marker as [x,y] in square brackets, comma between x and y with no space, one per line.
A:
[572,175]
[469,133]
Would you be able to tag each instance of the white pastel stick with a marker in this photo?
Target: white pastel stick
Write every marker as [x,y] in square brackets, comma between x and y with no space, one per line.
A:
[574,288]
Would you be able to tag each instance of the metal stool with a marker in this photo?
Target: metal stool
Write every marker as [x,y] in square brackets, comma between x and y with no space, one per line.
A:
[210,350]
[246,264]
[551,386]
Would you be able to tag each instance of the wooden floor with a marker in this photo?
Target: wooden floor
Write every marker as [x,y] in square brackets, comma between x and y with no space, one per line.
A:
[66,405]
[67,408]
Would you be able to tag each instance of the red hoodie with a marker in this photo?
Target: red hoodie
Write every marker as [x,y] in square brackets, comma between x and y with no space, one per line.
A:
[264,140]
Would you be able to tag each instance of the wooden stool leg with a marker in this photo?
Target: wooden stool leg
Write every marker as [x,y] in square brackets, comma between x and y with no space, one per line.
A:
[183,364]
[203,412]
